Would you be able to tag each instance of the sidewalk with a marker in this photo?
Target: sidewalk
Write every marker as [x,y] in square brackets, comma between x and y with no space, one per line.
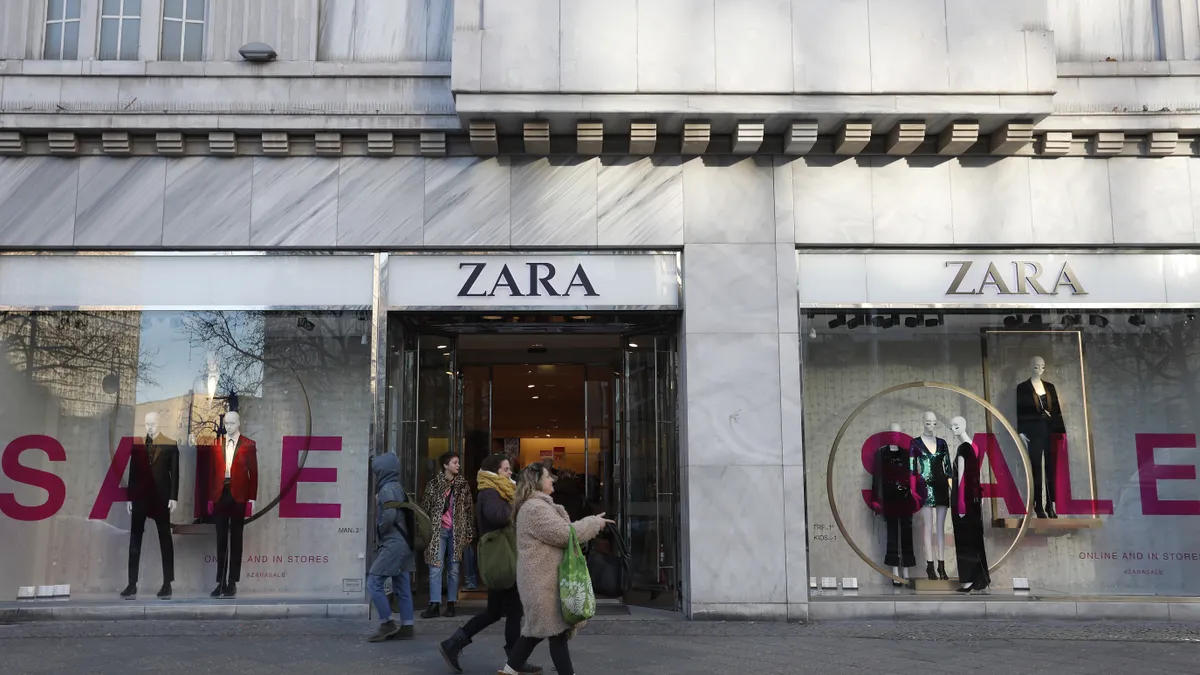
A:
[634,646]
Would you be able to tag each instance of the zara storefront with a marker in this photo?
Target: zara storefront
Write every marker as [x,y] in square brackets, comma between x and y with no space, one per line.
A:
[1001,426]
[122,371]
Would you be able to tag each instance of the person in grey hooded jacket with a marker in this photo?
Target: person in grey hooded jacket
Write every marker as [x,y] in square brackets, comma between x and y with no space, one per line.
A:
[394,557]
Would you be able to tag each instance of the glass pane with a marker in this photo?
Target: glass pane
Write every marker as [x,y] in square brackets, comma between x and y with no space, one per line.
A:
[133,7]
[71,40]
[54,10]
[172,41]
[53,41]
[195,10]
[130,39]
[173,9]
[110,7]
[109,29]
[193,42]
[72,9]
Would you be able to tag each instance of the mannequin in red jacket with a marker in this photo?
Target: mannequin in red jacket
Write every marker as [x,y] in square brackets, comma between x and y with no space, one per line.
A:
[233,489]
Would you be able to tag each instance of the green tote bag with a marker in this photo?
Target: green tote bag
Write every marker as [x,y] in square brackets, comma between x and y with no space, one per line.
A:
[575,595]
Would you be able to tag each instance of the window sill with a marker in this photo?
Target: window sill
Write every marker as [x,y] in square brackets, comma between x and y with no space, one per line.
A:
[224,68]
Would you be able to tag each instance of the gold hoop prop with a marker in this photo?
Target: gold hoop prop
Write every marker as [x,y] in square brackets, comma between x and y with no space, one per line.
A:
[1012,431]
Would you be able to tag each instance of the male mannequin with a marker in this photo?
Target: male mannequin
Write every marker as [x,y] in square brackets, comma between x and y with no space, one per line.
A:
[1039,415]
[931,461]
[233,490]
[153,493]
[892,491]
[967,498]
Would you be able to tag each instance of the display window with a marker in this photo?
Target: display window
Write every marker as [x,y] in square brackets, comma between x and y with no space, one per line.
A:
[152,453]
[1041,448]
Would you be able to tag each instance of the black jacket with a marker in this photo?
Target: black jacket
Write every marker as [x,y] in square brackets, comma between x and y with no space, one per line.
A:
[1030,415]
[154,470]
[491,511]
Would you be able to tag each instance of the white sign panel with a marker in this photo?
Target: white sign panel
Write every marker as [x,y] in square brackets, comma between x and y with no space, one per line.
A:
[604,281]
[999,279]
[185,281]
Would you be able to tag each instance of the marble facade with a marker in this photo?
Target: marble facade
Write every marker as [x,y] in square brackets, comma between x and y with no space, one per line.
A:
[738,222]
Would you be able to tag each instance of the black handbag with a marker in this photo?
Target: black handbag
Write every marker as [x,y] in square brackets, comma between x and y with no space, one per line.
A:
[610,571]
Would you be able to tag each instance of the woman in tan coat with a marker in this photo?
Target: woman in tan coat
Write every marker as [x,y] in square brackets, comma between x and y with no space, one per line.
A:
[543,530]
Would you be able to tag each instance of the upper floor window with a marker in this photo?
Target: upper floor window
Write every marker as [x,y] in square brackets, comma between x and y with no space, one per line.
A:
[62,30]
[120,28]
[182,30]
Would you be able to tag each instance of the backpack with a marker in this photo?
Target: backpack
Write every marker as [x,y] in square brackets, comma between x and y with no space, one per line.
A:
[498,558]
[422,532]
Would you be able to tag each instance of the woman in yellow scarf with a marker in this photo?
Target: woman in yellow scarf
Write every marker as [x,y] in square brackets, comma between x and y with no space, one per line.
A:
[493,511]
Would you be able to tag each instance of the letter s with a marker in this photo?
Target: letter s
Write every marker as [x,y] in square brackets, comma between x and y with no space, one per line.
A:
[56,489]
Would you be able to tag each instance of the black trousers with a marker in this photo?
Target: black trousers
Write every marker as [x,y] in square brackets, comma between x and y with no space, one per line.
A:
[560,655]
[231,518]
[504,604]
[161,515]
[1043,456]
[899,542]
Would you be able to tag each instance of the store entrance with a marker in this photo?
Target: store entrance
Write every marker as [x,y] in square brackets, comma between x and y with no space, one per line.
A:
[594,397]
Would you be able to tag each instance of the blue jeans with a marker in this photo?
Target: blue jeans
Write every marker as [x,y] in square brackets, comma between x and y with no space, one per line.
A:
[470,573]
[401,586]
[446,549]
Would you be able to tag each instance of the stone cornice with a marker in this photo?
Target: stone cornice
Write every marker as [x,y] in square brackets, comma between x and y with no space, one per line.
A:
[274,69]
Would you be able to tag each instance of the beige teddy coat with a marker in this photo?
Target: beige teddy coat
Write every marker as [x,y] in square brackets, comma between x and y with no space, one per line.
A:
[542,532]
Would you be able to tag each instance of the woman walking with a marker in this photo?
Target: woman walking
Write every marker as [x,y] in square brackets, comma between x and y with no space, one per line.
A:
[394,557]
[493,512]
[543,530]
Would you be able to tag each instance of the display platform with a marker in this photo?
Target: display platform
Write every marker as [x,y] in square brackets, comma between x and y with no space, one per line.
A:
[1049,526]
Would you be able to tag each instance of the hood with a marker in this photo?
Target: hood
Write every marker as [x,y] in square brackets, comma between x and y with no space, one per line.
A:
[386,468]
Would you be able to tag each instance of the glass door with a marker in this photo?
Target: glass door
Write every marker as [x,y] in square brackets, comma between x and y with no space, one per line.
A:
[650,469]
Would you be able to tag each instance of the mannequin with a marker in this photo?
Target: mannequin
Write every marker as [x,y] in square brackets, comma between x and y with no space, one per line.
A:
[153,493]
[233,488]
[892,496]
[931,461]
[1039,416]
[967,502]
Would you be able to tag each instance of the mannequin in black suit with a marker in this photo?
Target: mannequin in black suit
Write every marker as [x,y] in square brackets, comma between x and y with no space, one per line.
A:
[1039,416]
[153,493]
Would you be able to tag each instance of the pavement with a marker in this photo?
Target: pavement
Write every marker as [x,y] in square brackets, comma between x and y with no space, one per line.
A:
[662,647]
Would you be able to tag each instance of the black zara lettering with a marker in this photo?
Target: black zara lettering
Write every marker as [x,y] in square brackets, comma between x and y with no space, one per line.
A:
[540,281]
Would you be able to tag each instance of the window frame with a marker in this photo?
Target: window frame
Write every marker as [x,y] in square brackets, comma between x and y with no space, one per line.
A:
[122,29]
[62,23]
[183,22]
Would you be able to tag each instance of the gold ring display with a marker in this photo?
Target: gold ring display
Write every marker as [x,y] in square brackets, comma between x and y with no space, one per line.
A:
[837,441]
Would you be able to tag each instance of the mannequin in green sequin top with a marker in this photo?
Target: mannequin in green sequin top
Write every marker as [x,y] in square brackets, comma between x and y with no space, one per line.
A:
[931,460]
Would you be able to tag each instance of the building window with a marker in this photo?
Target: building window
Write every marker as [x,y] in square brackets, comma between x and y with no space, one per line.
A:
[62,30]
[183,30]
[120,26]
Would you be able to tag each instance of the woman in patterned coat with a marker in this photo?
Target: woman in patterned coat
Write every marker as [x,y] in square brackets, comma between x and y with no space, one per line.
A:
[448,502]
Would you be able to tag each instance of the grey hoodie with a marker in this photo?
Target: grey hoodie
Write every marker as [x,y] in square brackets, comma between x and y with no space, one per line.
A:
[393,554]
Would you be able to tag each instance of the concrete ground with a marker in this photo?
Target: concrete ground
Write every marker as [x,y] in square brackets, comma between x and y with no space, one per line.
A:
[662,647]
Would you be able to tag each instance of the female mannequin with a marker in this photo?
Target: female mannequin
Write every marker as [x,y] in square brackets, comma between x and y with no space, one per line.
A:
[967,498]
[893,487]
[1039,418]
[931,461]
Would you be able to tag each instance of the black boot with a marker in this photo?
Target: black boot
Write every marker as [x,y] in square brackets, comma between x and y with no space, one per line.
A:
[1050,512]
[130,592]
[450,609]
[1038,510]
[432,612]
[164,593]
[942,570]
[930,571]
[218,591]
[529,668]
[451,648]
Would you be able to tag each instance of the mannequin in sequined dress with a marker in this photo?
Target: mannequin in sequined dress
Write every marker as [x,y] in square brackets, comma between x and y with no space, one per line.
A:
[931,461]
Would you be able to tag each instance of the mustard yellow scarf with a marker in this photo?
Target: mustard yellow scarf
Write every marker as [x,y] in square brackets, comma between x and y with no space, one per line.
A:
[505,486]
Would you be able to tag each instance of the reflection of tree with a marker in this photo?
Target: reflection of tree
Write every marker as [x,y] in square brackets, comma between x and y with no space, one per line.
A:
[71,353]
[245,347]
[1160,364]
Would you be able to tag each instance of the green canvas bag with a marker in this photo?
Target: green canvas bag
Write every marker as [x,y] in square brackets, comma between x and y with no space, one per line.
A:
[498,559]
[575,595]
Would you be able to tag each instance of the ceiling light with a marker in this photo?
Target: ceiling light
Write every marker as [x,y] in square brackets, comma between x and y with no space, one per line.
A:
[855,321]
[914,321]
[1098,320]
[535,398]
[838,322]
[441,346]
[583,317]
[1069,320]
[633,345]
[1137,320]
[531,386]
[492,317]
[1012,321]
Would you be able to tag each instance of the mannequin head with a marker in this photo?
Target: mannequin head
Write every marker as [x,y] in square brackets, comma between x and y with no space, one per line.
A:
[929,424]
[1037,367]
[958,427]
[894,427]
[151,424]
[233,424]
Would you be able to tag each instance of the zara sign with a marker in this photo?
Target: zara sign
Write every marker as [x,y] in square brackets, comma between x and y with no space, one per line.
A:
[597,281]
